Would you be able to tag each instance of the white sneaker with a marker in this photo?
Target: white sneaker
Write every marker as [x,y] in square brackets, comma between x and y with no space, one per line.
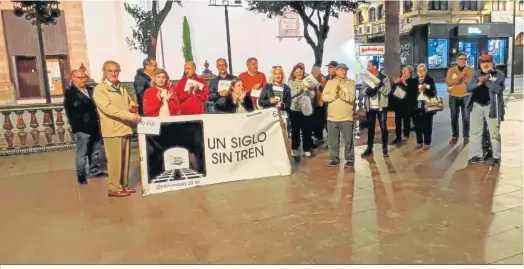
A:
[307,154]
[295,153]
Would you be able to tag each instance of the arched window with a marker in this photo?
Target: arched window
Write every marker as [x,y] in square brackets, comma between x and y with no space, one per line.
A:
[408,6]
[498,5]
[360,18]
[380,12]
[437,5]
[372,14]
[469,5]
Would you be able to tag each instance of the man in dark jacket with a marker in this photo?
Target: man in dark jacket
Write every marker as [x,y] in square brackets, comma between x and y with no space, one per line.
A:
[83,118]
[486,106]
[142,81]
[215,92]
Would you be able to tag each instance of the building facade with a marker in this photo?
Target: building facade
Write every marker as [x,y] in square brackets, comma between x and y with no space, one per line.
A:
[21,79]
[432,32]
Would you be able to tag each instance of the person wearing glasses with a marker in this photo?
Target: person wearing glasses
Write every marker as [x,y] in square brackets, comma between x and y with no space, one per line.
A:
[81,112]
[457,78]
[486,107]
[118,113]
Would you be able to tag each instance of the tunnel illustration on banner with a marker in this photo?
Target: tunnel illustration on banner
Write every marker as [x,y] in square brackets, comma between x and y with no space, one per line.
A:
[176,166]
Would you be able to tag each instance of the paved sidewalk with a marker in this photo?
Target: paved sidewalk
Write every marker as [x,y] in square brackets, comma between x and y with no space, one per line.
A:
[417,207]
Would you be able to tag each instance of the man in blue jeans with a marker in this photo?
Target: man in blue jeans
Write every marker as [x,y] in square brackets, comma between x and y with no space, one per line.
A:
[84,121]
[486,107]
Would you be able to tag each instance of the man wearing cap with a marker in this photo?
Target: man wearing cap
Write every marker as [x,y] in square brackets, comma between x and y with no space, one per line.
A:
[339,93]
[486,86]
[332,70]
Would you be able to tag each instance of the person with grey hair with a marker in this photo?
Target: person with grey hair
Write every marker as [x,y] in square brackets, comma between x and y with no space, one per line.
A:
[83,118]
[423,119]
[486,106]
[402,101]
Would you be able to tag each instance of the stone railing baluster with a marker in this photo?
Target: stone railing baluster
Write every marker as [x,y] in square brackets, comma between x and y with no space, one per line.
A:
[60,123]
[8,126]
[20,125]
[35,133]
[48,124]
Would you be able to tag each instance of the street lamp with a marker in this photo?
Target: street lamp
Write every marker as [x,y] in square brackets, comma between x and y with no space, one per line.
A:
[225,4]
[39,12]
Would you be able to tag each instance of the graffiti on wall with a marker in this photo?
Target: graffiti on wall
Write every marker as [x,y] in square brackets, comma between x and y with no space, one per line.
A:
[405,52]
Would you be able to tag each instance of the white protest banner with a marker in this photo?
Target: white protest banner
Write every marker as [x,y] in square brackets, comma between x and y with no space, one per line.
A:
[191,82]
[200,150]
[149,125]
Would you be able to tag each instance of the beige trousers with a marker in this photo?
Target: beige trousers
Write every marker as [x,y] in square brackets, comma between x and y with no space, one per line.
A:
[117,153]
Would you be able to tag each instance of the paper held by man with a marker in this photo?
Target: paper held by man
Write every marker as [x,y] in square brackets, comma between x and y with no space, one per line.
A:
[370,79]
[193,83]
[224,85]
[310,82]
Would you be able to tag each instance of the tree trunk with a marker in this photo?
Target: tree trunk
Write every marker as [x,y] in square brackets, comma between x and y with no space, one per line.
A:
[151,48]
[319,53]
[392,44]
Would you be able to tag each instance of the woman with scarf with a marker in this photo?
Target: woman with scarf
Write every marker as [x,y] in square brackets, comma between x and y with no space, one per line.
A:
[161,99]
[426,89]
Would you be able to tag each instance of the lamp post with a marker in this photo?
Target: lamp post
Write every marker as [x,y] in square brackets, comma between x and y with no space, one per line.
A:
[225,4]
[512,89]
[39,12]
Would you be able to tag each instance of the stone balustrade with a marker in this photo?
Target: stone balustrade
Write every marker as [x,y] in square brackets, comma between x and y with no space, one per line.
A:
[28,129]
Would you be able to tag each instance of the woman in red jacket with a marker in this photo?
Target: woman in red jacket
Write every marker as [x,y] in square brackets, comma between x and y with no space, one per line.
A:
[161,99]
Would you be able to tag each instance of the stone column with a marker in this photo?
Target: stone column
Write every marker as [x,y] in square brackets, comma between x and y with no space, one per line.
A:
[7,90]
[76,39]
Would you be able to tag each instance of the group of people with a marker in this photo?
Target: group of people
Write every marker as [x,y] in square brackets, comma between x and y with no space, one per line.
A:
[107,113]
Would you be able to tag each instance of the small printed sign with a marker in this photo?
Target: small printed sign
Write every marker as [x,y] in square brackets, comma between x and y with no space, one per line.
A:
[149,126]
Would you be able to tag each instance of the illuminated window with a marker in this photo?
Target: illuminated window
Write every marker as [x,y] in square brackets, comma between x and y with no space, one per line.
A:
[438,53]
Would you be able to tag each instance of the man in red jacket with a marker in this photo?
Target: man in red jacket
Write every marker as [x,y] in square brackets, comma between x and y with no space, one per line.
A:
[191,98]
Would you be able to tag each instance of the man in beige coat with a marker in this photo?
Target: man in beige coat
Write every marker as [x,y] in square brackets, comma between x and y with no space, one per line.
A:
[339,94]
[118,112]
[456,79]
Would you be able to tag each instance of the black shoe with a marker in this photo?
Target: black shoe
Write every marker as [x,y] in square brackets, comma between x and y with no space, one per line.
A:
[367,153]
[487,154]
[82,179]
[396,141]
[101,174]
[475,160]
[318,142]
[495,162]
[466,140]
[333,163]
[349,164]
[385,151]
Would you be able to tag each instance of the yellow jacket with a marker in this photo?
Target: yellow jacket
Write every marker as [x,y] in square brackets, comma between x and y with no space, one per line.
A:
[457,86]
[340,96]
[113,108]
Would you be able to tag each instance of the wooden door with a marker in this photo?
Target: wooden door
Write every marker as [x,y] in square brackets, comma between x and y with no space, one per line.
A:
[28,78]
